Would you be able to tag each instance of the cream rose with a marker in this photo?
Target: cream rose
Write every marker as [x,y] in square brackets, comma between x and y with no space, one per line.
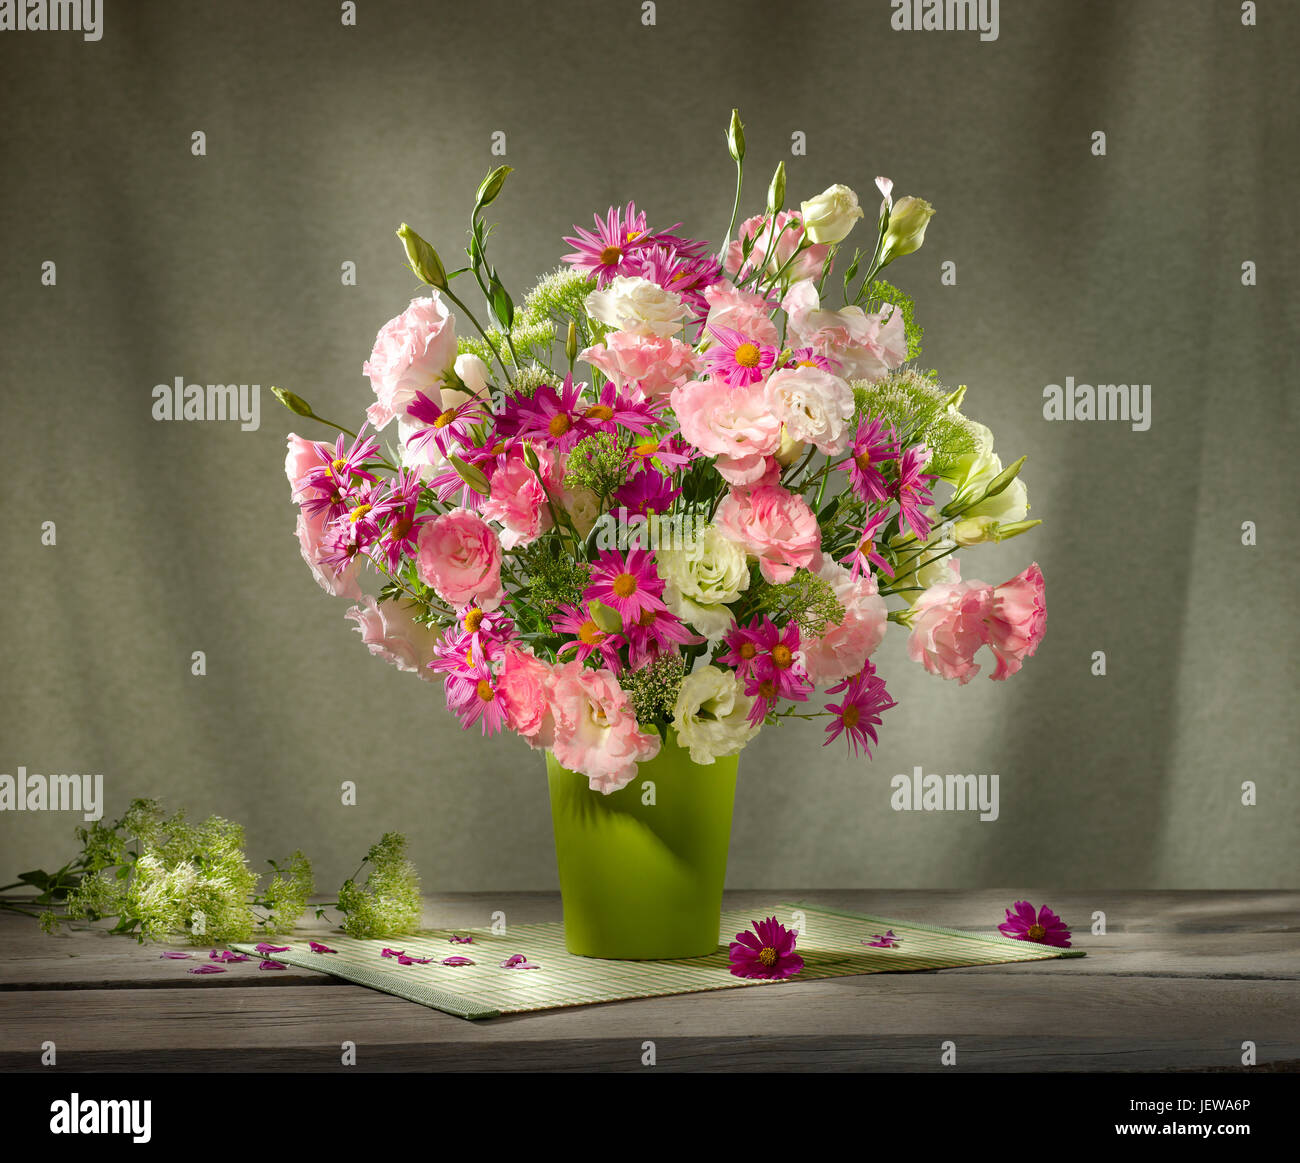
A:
[701,580]
[711,714]
[830,216]
[637,305]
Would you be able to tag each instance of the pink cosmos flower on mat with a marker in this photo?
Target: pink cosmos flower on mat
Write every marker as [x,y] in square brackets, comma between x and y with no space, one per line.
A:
[1041,926]
[766,951]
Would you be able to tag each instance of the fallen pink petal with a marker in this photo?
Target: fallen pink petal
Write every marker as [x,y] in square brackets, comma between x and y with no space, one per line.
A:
[272,965]
[456,939]
[206,969]
[317,947]
[230,955]
[513,960]
[887,941]
[403,959]
[386,952]
[263,947]
[172,955]
[457,961]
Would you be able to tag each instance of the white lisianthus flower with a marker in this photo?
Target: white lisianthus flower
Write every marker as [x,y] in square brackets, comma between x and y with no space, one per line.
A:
[702,579]
[637,305]
[710,716]
[583,507]
[815,406]
[975,471]
[830,216]
[473,373]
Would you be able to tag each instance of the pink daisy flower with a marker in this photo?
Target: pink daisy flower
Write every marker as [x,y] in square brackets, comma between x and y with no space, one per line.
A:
[614,410]
[864,552]
[588,637]
[1042,926]
[767,951]
[737,360]
[606,252]
[666,453]
[873,445]
[401,533]
[347,465]
[446,428]
[342,543]
[551,417]
[626,582]
[744,646]
[857,714]
[779,660]
[913,491]
[473,699]
[654,634]
[645,493]
[807,357]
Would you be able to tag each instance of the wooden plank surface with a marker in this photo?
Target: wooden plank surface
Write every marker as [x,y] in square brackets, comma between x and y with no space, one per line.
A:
[1178,981]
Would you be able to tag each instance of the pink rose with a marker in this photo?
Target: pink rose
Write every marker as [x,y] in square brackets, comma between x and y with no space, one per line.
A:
[459,555]
[596,732]
[522,688]
[412,353]
[742,311]
[738,426]
[656,365]
[518,502]
[775,526]
[1018,620]
[391,633]
[862,346]
[948,627]
[301,458]
[311,532]
[790,232]
[844,649]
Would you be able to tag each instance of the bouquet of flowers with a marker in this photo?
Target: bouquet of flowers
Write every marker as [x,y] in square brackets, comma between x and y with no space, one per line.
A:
[671,490]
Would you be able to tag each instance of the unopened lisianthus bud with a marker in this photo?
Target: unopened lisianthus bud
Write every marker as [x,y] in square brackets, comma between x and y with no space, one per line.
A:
[789,450]
[975,530]
[423,258]
[491,186]
[830,216]
[736,137]
[776,191]
[906,229]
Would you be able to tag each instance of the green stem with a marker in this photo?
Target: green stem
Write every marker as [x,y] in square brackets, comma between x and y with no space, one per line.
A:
[478,327]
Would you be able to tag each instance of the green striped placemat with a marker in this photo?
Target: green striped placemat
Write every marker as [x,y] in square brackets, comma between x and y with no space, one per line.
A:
[830,942]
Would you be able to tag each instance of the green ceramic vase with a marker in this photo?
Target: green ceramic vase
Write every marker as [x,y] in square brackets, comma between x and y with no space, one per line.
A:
[641,869]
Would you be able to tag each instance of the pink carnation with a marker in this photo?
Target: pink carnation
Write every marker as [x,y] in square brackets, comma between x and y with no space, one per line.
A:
[654,364]
[522,688]
[596,732]
[391,633]
[844,649]
[862,346]
[738,426]
[459,555]
[1018,621]
[412,352]
[518,501]
[311,533]
[775,526]
[948,627]
[303,456]
[789,229]
[741,311]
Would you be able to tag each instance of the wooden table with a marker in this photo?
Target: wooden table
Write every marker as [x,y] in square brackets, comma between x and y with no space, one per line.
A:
[1177,983]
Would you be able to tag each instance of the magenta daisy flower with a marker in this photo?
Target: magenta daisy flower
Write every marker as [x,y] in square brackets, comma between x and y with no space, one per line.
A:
[864,553]
[779,660]
[605,253]
[588,637]
[873,445]
[744,645]
[766,951]
[666,453]
[654,634]
[446,428]
[402,532]
[614,410]
[857,715]
[913,491]
[736,359]
[646,493]
[627,583]
[342,543]
[473,699]
[1042,926]
[807,357]
[346,467]
[551,417]
[761,687]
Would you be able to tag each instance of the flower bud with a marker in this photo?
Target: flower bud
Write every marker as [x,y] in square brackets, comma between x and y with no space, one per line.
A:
[830,216]
[571,343]
[294,403]
[1015,528]
[776,191]
[1004,478]
[736,137]
[607,618]
[471,475]
[790,450]
[906,228]
[975,531]
[423,258]
[491,186]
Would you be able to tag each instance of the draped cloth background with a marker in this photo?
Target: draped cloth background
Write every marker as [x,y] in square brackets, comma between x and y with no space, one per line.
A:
[321,139]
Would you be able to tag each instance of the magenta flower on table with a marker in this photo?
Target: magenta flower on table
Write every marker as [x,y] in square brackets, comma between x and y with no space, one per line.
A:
[320,947]
[765,951]
[857,715]
[737,360]
[1041,926]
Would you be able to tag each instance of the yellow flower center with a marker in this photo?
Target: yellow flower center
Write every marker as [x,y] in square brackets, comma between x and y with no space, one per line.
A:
[748,355]
[473,619]
[807,363]
[590,634]
[781,656]
[646,448]
[444,419]
[611,254]
[748,650]
[399,528]
[359,512]
[863,461]
[647,618]
[624,585]
[600,412]
[485,691]
[767,956]
[560,424]
[498,448]
[633,235]
[1036,932]
[338,465]
[851,715]
[767,689]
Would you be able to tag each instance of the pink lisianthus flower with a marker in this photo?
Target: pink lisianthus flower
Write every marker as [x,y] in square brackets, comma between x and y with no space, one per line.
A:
[459,555]
[300,459]
[844,649]
[738,426]
[775,526]
[790,233]
[1018,620]
[391,633]
[655,365]
[522,688]
[312,537]
[948,627]
[518,501]
[596,732]
[866,347]
[741,311]
[412,353]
